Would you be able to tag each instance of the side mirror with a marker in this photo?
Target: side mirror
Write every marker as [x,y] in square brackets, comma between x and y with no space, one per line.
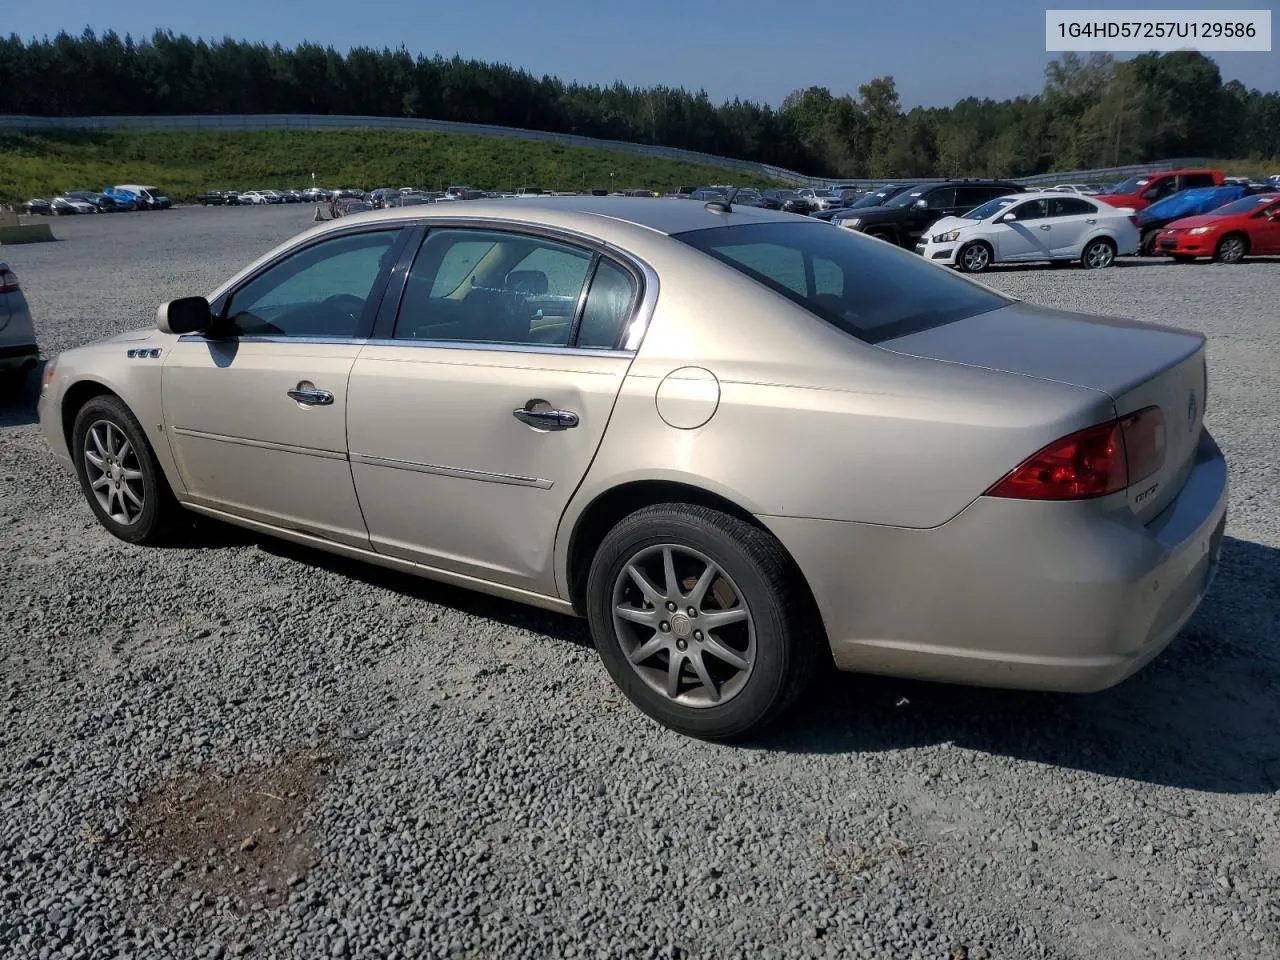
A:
[184,315]
[1004,218]
[922,204]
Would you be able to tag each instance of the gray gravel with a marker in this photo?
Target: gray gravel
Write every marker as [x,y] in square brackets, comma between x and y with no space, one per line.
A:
[496,800]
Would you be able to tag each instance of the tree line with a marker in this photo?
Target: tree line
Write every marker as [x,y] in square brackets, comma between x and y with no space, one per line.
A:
[1093,110]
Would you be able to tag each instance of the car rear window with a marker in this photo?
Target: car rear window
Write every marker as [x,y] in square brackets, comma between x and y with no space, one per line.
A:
[866,287]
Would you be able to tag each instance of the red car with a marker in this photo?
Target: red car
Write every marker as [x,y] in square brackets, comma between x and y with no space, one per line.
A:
[1244,227]
[1141,191]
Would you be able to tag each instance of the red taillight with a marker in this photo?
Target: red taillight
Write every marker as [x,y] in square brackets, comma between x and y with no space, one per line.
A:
[1092,462]
[8,280]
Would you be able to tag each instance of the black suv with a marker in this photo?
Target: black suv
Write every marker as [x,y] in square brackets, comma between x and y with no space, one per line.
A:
[906,216]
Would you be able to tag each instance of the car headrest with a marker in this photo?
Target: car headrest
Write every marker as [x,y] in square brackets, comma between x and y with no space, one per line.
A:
[532,282]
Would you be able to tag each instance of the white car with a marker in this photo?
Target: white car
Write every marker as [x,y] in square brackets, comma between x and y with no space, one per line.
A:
[253,196]
[1022,227]
[1081,188]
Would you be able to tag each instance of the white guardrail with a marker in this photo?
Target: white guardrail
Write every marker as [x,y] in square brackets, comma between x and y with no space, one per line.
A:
[285,121]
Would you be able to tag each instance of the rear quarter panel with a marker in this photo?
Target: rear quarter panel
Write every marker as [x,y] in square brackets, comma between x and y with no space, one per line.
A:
[811,422]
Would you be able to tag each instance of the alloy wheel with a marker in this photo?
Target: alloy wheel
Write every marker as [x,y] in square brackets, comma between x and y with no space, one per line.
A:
[1099,255]
[683,625]
[976,258]
[1231,250]
[114,472]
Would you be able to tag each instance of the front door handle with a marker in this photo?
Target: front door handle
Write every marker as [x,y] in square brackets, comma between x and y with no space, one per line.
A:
[538,413]
[309,396]
[1045,226]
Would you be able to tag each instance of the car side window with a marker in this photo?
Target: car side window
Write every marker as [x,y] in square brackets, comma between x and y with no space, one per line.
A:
[1030,210]
[942,199]
[320,291]
[1070,207]
[1161,188]
[1199,180]
[970,197]
[608,308]
[486,286]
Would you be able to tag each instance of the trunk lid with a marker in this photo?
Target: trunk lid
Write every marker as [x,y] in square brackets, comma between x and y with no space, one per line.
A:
[1136,364]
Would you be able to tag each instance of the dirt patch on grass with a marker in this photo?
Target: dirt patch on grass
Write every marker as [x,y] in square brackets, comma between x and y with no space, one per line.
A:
[241,836]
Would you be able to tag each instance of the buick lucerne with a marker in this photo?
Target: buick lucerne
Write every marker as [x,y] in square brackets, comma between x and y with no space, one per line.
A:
[739,442]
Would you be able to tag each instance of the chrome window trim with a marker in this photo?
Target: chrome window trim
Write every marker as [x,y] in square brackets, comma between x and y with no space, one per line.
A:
[642,311]
[461,473]
[485,345]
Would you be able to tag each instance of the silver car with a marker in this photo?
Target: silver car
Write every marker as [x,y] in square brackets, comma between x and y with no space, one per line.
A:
[734,440]
[19,353]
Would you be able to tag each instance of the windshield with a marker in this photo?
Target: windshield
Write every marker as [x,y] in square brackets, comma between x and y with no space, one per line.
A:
[872,290]
[1246,204]
[1132,185]
[823,193]
[990,208]
[905,198]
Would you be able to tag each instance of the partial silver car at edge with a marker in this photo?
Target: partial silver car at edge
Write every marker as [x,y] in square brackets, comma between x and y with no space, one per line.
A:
[730,438]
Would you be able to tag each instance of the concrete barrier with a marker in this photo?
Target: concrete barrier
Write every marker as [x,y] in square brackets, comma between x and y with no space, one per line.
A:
[26,233]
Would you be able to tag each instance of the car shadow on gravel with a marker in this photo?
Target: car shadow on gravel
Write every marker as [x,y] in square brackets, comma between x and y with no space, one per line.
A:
[521,616]
[1205,715]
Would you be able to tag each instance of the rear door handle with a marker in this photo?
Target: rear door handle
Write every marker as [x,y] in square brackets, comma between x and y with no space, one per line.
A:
[310,396]
[1046,226]
[1091,220]
[537,413]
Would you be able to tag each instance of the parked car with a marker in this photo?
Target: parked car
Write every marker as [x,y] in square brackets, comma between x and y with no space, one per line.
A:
[38,206]
[1083,189]
[1024,227]
[19,353]
[1139,192]
[820,198]
[152,197]
[1185,203]
[875,198]
[1249,226]
[216,198]
[638,192]
[99,201]
[671,475]
[904,218]
[787,201]
[128,199]
[63,206]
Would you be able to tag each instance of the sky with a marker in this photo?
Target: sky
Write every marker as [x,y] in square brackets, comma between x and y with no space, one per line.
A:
[938,52]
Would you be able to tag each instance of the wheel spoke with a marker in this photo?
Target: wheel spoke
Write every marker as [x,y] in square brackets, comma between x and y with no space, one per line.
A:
[673,674]
[95,434]
[651,592]
[699,591]
[129,492]
[126,448]
[636,614]
[112,440]
[718,650]
[669,572]
[714,619]
[101,482]
[95,459]
[128,474]
[647,649]
[704,676]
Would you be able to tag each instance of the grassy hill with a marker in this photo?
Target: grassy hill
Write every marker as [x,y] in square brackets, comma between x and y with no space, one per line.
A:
[186,163]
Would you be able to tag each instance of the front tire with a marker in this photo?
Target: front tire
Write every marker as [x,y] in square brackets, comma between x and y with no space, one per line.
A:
[1231,249]
[119,475]
[974,257]
[1098,254]
[1148,246]
[701,620]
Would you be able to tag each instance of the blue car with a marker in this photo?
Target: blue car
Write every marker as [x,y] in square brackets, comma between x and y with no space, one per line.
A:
[1186,203]
[130,201]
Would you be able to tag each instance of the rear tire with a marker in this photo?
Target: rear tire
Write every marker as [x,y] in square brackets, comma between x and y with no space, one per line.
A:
[1231,248]
[740,639]
[119,476]
[974,257]
[1148,246]
[1098,254]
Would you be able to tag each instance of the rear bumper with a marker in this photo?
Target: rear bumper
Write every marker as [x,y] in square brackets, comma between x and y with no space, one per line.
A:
[1016,594]
[19,356]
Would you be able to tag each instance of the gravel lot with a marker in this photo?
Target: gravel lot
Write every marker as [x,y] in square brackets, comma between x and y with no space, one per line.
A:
[244,747]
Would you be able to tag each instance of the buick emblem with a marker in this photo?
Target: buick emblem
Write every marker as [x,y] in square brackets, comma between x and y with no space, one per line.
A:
[1191,411]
